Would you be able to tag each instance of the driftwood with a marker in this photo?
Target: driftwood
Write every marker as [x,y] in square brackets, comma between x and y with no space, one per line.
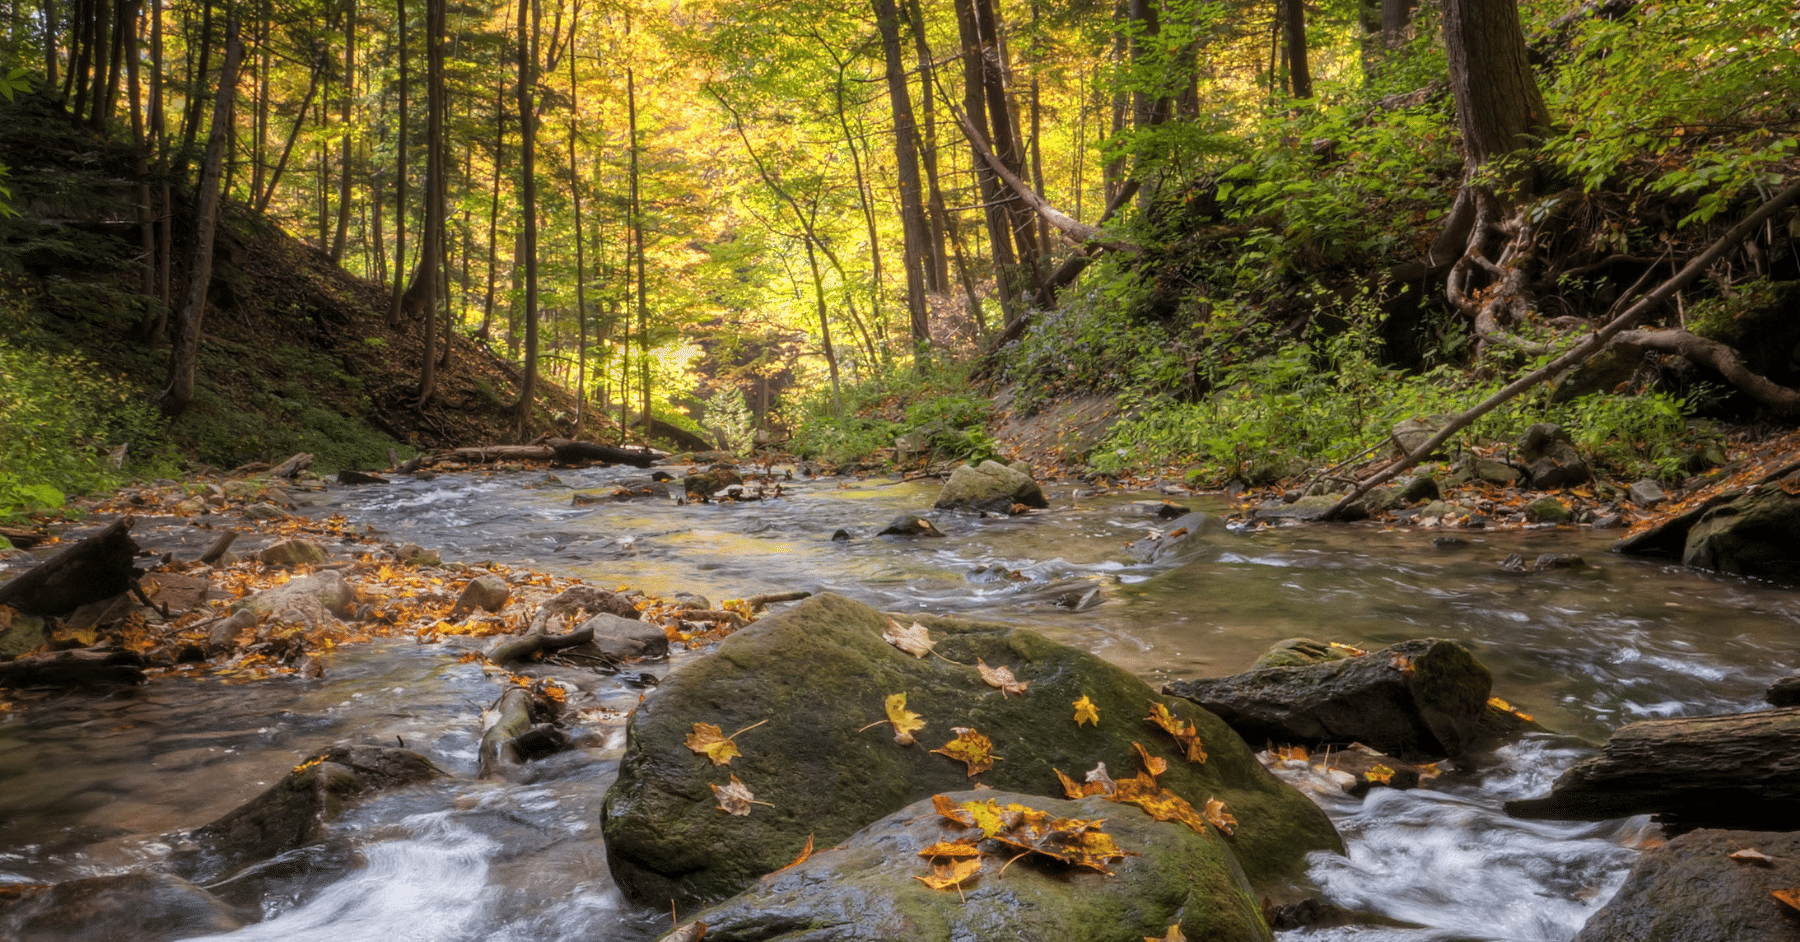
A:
[23,539]
[79,668]
[555,449]
[1738,770]
[293,466]
[536,642]
[96,568]
[757,603]
[219,547]
[514,719]
[1581,352]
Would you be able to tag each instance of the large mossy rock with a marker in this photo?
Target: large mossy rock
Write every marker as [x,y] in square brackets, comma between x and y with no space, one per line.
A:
[820,672]
[142,907]
[1757,535]
[1419,700]
[1690,890]
[991,487]
[865,890]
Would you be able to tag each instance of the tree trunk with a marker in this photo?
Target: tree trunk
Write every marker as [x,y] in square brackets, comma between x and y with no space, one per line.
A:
[975,106]
[185,348]
[528,30]
[581,316]
[348,91]
[1293,19]
[422,295]
[934,197]
[397,302]
[1497,99]
[287,149]
[915,231]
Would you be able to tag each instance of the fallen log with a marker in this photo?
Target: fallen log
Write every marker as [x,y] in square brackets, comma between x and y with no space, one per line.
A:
[292,467]
[96,568]
[83,667]
[512,719]
[22,539]
[536,642]
[1740,770]
[219,547]
[573,452]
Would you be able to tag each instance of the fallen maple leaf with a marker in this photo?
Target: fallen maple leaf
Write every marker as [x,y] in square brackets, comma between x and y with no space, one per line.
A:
[736,798]
[692,932]
[1185,733]
[1001,677]
[951,873]
[1789,896]
[805,852]
[1086,711]
[1158,802]
[1380,773]
[1098,783]
[1216,815]
[708,740]
[1155,765]
[985,815]
[972,748]
[914,639]
[1173,935]
[964,848]
[905,721]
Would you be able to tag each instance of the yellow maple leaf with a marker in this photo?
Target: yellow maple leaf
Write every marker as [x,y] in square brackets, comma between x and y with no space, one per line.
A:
[1001,677]
[972,748]
[1185,733]
[1380,773]
[1216,815]
[905,721]
[1155,765]
[985,815]
[710,741]
[951,873]
[1086,711]
[1173,935]
[1158,802]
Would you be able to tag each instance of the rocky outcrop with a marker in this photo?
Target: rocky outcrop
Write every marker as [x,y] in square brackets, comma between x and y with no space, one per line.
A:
[867,888]
[1419,700]
[819,676]
[1693,889]
[990,487]
[1752,532]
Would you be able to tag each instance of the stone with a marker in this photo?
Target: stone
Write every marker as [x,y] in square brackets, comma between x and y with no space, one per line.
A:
[1299,652]
[1310,508]
[909,525]
[1784,692]
[1646,493]
[1550,458]
[1271,469]
[864,889]
[991,487]
[1497,473]
[142,907]
[486,593]
[821,673]
[1547,510]
[412,554]
[616,637]
[264,512]
[1160,509]
[1181,536]
[1412,434]
[840,535]
[293,812]
[1690,890]
[222,638]
[240,489]
[310,600]
[707,483]
[1548,561]
[347,476]
[586,598]
[1420,487]
[1419,700]
[292,553]
[1755,535]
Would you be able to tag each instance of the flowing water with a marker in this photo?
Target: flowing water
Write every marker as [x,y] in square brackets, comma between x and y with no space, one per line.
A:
[88,785]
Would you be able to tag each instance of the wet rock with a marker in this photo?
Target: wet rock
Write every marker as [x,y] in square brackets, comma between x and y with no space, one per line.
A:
[1448,542]
[293,812]
[19,633]
[991,487]
[910,525]
[540,742]
[290,877]
[1497,473]
[1311,508]
[242,490]
[486,593]
[83,667]
[1784,692]
[1420,487]
[1412,434]
[1300,652]
[412,554]
[310,600]
[222,638]
[292,553]
[865,889]
[1550,458]
[359,477]
[264,512]
[1419,700]
[586,598]
[142,907]
[1548,561]
[616,637]
[1646,493]
[1756,535]
[688,602]
[820,673]
[1609,521]
[1548,510]
[707,483]
[840,536]
[1160,509]
[1179,536]
[1691,890]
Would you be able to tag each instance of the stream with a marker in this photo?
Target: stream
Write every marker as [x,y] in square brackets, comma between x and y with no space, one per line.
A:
[88,785]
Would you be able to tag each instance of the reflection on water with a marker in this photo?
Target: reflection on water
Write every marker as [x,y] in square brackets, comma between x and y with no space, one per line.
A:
[88,782]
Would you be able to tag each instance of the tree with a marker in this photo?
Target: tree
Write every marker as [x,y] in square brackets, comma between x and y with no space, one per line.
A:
[528,235]
[917,234]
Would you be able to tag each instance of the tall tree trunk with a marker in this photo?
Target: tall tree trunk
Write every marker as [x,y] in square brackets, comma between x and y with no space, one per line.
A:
[185,349]
[49,40]
[487,305]
[259,126]
[939,279]
[975,105]
[1293,19]
[422,295]
[581,314]
[915,232]
[528,49]
[1005,140]
[1396,16]
[287,149]
[396,303]
[865,198]
[345,114]
[141,143]
[196,99]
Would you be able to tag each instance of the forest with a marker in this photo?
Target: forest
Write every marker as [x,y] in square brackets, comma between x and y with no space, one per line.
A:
[1270,231]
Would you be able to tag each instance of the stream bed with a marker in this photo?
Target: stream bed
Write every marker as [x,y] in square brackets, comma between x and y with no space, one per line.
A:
[87,784]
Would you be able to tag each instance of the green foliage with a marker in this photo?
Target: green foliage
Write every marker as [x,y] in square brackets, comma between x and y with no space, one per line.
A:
[728,414]
[63,416]
[935,402]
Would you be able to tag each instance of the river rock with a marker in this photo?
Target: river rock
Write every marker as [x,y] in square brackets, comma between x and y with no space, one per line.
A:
[293,811]
[1497,473]
[1756,535]
[487,593]
[1300,652]
[864,890]
[142,907]
[1547,510]
[586,598]
[1178,536]
[1784,692]
[1311,507]
[263,511]
[1550,457]
[412,554]
[820,674]
[908,525]
[292,553]
[1646,493]
[1419,700]
[309,600]
[616,637]
[991,487]
[1160,509]
[707,483]
[1691,890]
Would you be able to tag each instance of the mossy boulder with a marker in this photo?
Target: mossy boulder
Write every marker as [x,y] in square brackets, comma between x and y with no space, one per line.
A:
[820,674]
[1690,890]
[991,487]
[864,890]
[1756,535]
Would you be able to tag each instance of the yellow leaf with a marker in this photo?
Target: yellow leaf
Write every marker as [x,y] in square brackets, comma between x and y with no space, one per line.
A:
[1157,801]
[1218,817]
[708,740]
[985,815]
[914,639]
[1503,706]
[972,748]
[951,849]
[1790,896]
[1173,935]
[1086,711]
[951,873]
[1001,677]
[1380,773]
[1155,765]
[1185,733]
[905,721]
[805,852]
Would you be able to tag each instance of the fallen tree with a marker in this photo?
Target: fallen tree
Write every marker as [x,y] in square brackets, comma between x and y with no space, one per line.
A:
[560,450]
[96,568]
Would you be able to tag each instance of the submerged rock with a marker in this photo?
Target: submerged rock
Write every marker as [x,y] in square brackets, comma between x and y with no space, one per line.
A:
[991,487]
[907,525]
[1692,890]
[1179,536]
[866,889]
[1419,700]
[142,907]
[821,674]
